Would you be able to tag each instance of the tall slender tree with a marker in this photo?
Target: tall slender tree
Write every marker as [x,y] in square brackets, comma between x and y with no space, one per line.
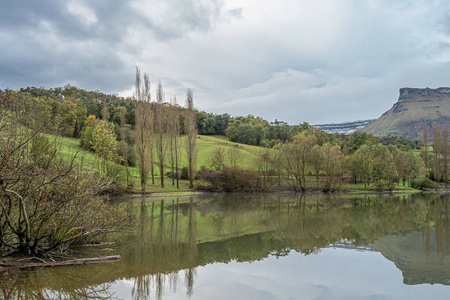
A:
[143,127]
[444,150]
[190,127]
[105,111]
[174,138]
[437,152]
[123,141]
[160,131]
[424,152]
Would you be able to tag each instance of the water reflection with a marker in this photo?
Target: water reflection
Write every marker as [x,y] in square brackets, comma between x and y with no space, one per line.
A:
[176,237]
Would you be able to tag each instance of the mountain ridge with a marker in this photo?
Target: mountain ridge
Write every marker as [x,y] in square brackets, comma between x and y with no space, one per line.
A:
[414,108]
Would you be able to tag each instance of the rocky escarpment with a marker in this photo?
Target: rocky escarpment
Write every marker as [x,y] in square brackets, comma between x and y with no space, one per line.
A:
[346,128]
[414,108]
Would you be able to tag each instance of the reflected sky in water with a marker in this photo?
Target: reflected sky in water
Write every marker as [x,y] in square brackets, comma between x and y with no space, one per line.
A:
[263,247]
[333,273]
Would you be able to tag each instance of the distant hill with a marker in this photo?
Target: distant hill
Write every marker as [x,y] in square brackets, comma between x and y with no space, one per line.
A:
[413,108]
[347,127]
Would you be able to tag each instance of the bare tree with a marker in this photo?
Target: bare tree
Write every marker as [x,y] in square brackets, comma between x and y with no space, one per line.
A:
[437,142]
[296,159]
[46,201]
[444,150]
[265,165]
[190,126]
[424,152]
[160,131]
[234,155]
[174,138]
[143,127]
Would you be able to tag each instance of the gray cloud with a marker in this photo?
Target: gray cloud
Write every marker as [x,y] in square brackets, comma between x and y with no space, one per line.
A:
[315,61]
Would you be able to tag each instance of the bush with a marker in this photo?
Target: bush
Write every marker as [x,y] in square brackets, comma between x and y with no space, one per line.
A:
[423,183]
[232,179]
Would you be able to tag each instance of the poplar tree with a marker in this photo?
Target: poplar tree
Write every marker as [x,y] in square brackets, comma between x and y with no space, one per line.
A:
[143,127]
[190,127]
[160,131]
[437,151]
[174,139]
[445,149]
[424,152]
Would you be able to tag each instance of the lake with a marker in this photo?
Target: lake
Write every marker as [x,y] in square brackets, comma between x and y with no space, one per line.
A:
[269,246]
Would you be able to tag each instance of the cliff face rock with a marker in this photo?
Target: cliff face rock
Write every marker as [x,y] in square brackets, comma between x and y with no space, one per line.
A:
[346,127]
[414,108]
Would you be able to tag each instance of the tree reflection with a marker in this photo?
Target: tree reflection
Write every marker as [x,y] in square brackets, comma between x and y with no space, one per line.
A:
[28,285]
[174,237]
[161,254]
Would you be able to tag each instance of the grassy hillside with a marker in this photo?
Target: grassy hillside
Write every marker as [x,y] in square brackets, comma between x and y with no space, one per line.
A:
[205,145]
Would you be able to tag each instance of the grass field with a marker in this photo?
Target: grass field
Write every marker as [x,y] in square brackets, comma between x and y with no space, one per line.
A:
[205,145]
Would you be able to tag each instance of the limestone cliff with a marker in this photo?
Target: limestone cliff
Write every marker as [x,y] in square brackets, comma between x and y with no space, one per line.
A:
[414,108]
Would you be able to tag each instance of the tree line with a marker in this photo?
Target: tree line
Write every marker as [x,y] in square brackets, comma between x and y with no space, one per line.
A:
[313,160]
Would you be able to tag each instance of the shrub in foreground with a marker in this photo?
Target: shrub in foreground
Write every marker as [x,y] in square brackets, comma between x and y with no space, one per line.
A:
[232,179]
[423,183]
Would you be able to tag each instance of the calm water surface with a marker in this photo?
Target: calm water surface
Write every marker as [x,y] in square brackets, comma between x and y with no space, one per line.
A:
[263,247]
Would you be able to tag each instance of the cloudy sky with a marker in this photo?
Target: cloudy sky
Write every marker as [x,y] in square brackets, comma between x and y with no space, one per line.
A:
[319,61]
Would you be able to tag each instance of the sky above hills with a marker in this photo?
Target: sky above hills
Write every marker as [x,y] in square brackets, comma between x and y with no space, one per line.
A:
[318,61]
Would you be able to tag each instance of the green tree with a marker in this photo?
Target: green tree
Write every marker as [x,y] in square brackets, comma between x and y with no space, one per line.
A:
[384,171]
[86,140]
[333,166]
[414,166]
[361,164]
[317,161]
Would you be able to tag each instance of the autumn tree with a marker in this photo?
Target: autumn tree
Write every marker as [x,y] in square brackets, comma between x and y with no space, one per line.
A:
[190,127]
[143,127]
[86,140]
[160,131]
[104,141]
